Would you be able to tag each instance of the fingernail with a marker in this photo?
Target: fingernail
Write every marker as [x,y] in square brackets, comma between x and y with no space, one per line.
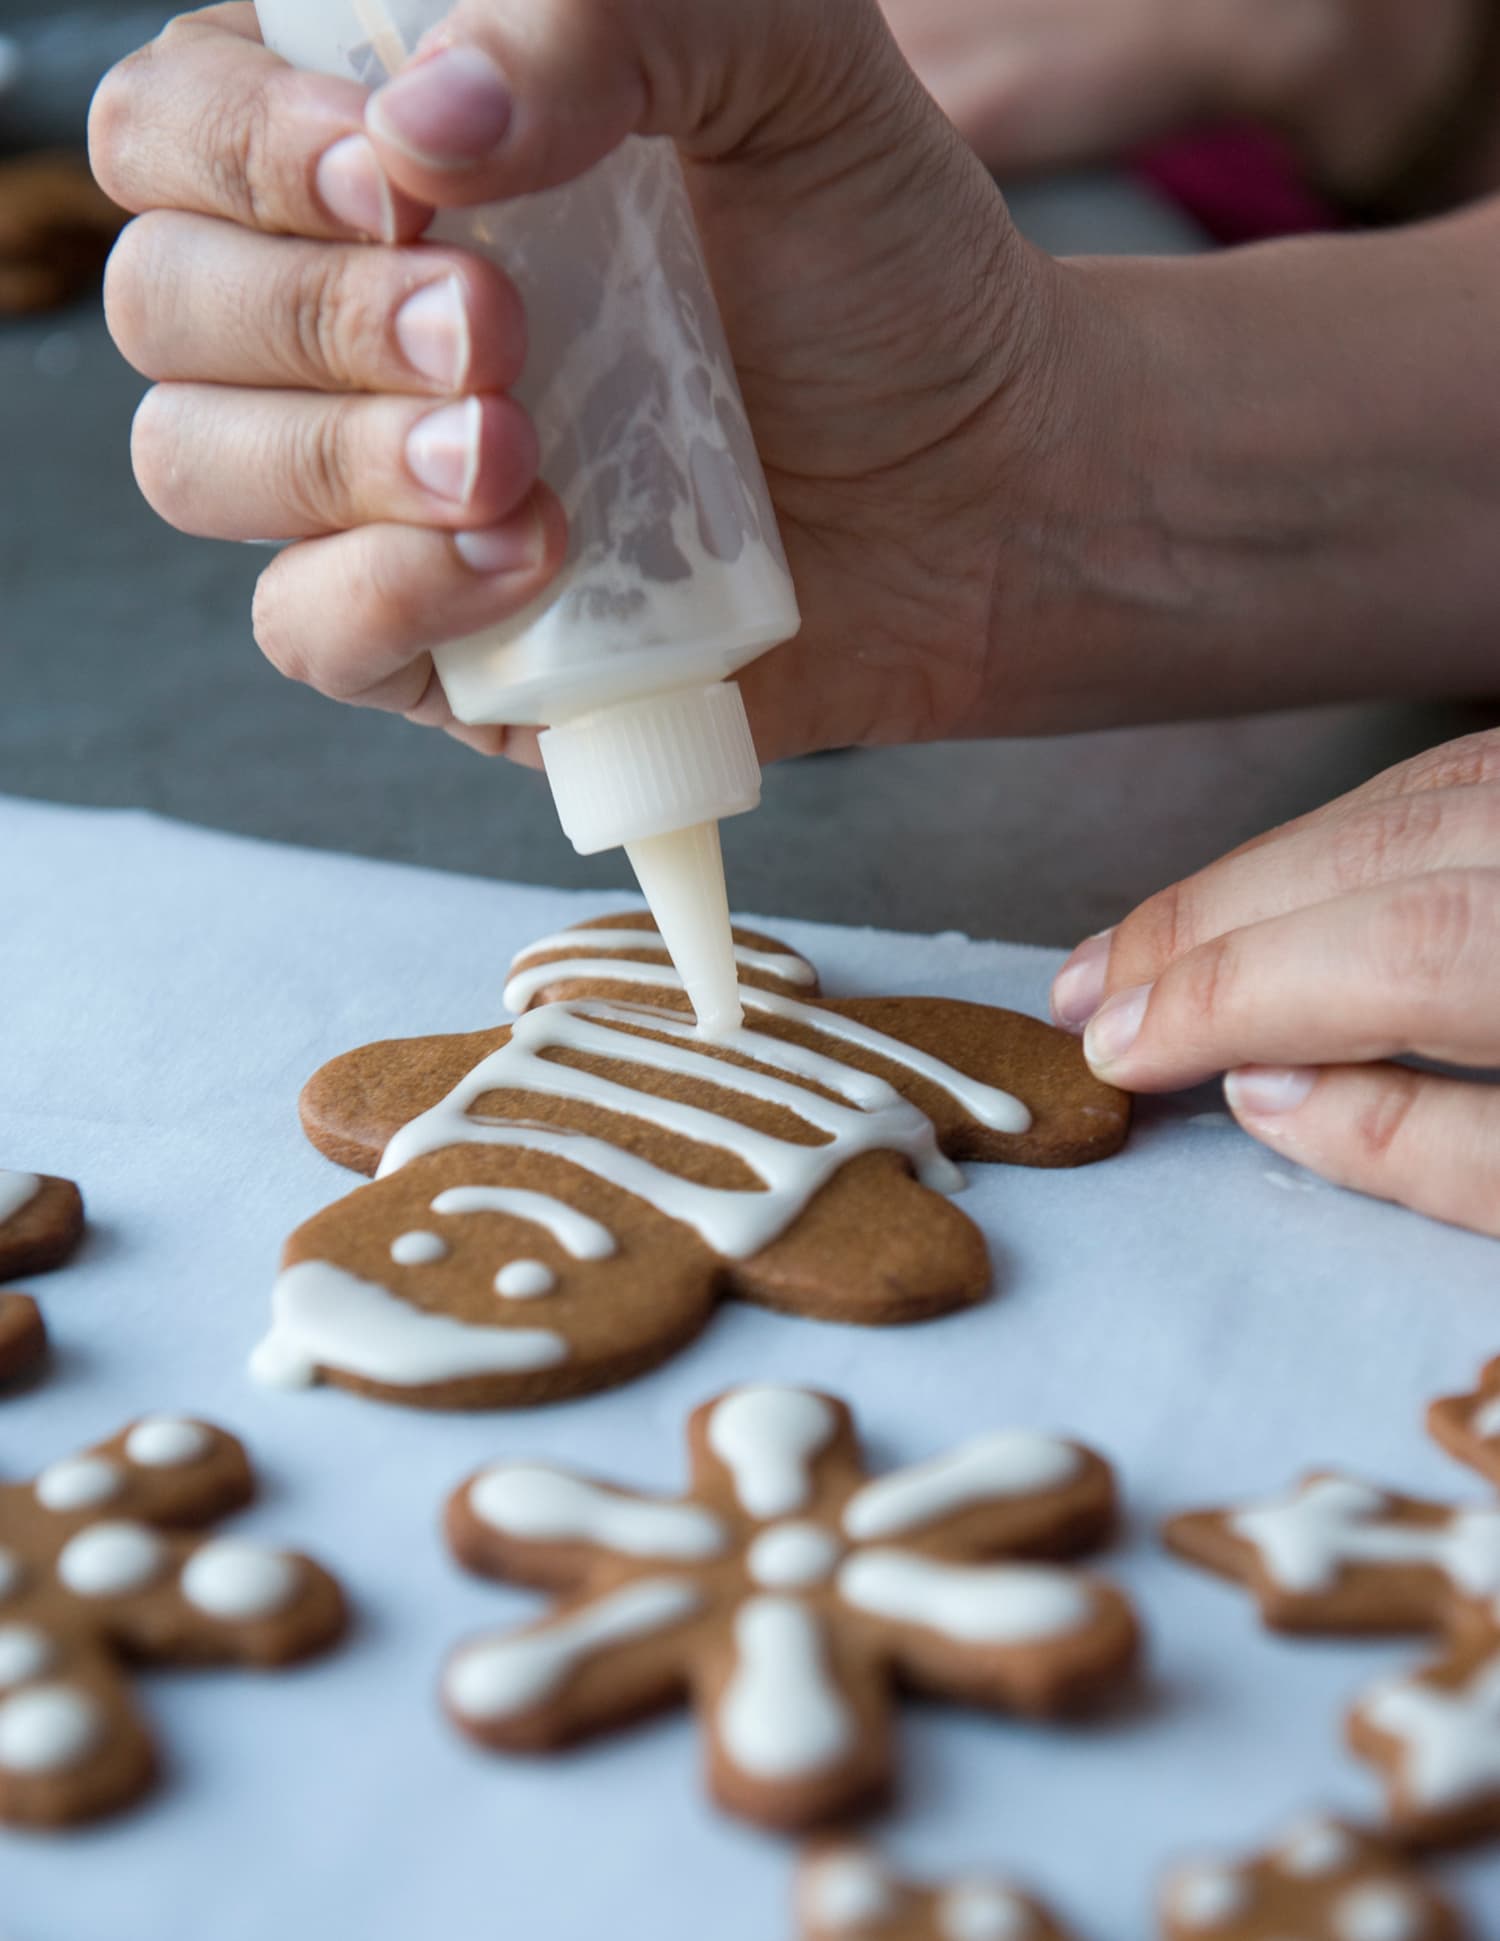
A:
[448,111]
[442,450]
[1078,989]
[1268,1091]
[519,546]
[352,188]
[432,329]
[1114,1028]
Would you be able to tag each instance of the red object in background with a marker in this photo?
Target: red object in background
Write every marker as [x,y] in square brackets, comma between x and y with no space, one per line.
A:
[1241,184]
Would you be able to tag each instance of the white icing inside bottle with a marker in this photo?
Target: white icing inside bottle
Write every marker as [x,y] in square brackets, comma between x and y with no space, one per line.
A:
[781,1716]
[551,1506]
[16,1190]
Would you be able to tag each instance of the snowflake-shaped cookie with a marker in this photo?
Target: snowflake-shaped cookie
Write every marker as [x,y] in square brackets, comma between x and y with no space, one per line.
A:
[788,1596]
[847,1893]
[97,1571]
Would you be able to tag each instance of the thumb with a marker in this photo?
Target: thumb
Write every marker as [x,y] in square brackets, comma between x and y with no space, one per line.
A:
[505,97]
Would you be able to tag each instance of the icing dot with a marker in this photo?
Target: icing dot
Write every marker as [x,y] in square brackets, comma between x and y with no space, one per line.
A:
[525,1280]
[1316,1847]
[25,1653]
[111,1559]
[1378,1913]
[48,1728]
[79,1483]
[167,1442]
[790,1556]
[418,1249]
[238,1581]
[1208,1897]
[979,1911]
[11,1573]
[848,1891]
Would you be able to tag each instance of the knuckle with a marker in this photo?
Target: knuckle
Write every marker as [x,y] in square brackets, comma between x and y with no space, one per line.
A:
[316,469]
[1380,1126]
[1466,763]
[337,331]
[1206,983]
[1427,930]
[1159,932]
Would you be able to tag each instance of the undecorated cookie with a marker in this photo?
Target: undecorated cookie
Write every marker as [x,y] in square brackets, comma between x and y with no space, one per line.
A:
[41,1222]
[847,1893]
[789,1597]
[98,1573]
[23,1336]
[561,1202]
[1322,1881]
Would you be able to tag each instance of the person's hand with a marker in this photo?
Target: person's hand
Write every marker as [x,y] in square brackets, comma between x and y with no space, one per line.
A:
[882,311]
[1305,961]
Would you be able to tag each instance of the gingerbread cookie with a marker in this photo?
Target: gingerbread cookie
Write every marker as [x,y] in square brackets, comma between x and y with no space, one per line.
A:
[1323,1881]
[41,1222]
[23,1336]
[561,1202]
[1468,1426]
[788,1597]
[846,1893]
[97,1572]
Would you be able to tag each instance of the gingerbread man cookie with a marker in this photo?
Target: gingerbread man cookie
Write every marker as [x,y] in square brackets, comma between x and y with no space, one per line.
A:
[1322,1881]
[560,1203]
[788,1597]
[41,1222]
[23,1336]
[846,1893]
[98,1571]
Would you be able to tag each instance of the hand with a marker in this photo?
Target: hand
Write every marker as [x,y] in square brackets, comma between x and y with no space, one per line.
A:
[1305,960]
[883,312]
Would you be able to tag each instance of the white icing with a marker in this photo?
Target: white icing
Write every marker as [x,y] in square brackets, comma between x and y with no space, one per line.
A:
[525,1280]
[845,1891]
[498,1677]
[584,1238]
[1316,1847]
[1485,1421]
[1306,1538]
[418,1248]
[793,1556]
[1209,1897]
[239,1581]
[982,1911]
[768,1439]
[25,1653]
[322,1316]
[167,1442]
[1011,1463]
[12,1574]
[1450,1739]
[524,984]
[1378,1911]
[16,1190]
[79,1483]
[972,1604]
[48,1728]
[550,1506]
[111,1560]
[781,1716]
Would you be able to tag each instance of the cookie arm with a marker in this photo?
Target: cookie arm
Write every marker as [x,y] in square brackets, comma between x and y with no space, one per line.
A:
[72,1745]
[222,1600]
[351,1107]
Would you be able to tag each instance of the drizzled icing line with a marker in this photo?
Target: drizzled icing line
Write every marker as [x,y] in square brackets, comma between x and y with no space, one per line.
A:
[523,985]
[1306,1538]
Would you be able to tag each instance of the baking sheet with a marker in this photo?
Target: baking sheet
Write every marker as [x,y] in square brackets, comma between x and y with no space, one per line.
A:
[1204,1314]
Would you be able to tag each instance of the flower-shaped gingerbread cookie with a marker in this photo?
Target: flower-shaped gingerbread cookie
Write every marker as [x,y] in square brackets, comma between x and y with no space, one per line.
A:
[788,1596]
[846,1893]
[1322,1881]
[98,1570]
[41,1222]
[562,1201]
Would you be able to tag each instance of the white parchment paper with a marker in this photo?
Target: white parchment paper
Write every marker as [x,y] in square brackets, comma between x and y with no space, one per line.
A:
[1209,1318]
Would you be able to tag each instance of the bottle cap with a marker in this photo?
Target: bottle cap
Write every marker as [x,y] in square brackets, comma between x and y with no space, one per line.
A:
[645,768]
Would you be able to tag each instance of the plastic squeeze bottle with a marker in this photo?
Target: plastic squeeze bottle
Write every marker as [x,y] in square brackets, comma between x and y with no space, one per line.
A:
[675,574]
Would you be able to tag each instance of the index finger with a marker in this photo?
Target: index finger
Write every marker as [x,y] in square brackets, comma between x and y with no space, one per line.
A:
[205,118]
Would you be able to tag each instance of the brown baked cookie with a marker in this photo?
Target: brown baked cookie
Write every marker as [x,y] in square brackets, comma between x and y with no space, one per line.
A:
[847,1893]
[562,1202]
[97,1572]
[23,1336]
[1468,1426]
[1322,1881]
[41,1222]
[788,1598]
[56,229]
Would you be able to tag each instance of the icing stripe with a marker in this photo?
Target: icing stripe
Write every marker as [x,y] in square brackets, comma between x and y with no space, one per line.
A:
[768,1439]
[1013,1463]
[971,1604]
[523,984]
[1450,1737]
[584,1238]
[16,1190]
[1306,1538]
[323,1317]
[545,1505]
[781,1716]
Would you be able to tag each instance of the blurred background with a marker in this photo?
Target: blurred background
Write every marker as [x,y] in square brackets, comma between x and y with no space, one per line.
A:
[130,678]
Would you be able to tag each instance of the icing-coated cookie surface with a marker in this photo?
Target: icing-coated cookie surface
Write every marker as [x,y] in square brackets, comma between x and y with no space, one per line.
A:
[847,1893]
[788,1597]
[1322,1881]
[561,1202]
[101,1568]
[41,1222]
[23,1336]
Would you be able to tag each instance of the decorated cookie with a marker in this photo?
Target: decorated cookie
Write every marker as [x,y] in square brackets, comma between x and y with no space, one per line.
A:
[97,1572]
[789,1597]
[1323,1881]
[41,1222]
[561,1202]
[1469,1425]
[23,1336]
[846,1893]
